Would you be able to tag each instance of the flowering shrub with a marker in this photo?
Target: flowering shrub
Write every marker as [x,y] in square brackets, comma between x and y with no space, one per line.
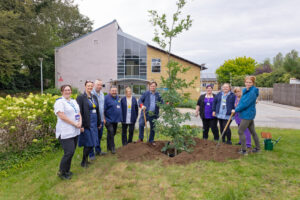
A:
[26,120]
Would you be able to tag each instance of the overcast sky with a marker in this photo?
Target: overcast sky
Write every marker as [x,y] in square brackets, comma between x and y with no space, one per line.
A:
[221,30]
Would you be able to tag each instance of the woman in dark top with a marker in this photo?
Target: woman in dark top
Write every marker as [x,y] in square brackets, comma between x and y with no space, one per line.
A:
[91,121]
[223,105]
[130,112]
[204,106]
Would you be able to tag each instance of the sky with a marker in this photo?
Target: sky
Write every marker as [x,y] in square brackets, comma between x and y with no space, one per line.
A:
[221,29]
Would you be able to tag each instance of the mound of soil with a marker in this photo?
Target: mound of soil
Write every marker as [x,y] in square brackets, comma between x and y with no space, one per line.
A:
[203,150]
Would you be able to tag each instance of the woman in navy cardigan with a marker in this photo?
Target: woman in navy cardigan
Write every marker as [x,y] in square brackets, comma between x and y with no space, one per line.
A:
[223,105]
[130,113]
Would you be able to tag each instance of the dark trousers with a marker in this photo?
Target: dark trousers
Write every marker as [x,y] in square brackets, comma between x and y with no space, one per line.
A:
[111,132]
[227,133]
[124,133]
[98,147]
[213,125]
[69,146]
[85,154]
[142,125]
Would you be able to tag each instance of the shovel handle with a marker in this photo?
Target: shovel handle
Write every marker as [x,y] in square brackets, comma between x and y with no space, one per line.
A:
[145,120]
[227,124]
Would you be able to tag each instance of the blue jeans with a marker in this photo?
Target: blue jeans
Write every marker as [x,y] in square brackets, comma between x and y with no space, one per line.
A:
[142,125]
[98,147]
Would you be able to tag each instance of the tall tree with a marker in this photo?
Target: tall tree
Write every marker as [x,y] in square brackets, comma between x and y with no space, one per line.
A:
[235,67]
[172,119]
[292,64]
[37,27]
[278,61]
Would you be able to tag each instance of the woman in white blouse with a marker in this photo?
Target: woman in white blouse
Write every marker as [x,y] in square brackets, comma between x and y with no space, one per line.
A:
[67,128]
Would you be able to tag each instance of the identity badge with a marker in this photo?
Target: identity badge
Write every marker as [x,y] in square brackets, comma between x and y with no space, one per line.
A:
[208,104]
[94,111]
[118,106]
[77,118]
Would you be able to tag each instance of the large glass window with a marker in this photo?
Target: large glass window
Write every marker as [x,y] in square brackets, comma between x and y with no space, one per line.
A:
[132,58]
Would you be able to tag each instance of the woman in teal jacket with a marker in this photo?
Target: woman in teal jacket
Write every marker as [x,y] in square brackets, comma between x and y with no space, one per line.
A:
[247,111]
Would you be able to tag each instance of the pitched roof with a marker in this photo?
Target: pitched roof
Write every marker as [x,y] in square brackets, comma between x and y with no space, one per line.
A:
[89,33]
[202,66]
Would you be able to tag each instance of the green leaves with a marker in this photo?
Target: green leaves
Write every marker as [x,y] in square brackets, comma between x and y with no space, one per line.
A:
[163,33]
[235,67]
[292,64]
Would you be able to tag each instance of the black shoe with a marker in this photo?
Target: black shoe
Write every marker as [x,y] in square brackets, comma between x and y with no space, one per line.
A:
[229,142]
[113,151]
[84,164]
[63,176]
[69,173]
[255,150]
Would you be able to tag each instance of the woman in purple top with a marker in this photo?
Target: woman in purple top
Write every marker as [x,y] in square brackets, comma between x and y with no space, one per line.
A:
[238,94]
[204,106]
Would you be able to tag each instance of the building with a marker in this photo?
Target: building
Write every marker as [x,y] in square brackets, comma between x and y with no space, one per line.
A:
[117,58]
[209,79]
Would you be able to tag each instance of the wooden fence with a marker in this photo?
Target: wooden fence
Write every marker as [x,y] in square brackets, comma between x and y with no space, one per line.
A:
[288,94]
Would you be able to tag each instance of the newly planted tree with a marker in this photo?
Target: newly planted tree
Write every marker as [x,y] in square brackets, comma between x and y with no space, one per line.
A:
[171,120]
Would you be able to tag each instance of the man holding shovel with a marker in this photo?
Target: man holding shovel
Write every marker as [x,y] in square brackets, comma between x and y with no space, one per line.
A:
[149,104]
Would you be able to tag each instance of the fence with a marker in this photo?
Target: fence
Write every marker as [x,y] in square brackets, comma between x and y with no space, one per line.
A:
[265,94]
[288,94]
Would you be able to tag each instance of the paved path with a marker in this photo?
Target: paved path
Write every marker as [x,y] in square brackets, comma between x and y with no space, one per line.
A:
[268,115]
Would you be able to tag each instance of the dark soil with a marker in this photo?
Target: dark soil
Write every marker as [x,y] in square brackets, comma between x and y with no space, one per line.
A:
[203,150]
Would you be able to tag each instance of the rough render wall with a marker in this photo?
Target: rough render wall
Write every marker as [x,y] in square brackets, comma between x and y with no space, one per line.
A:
[86,59]
[189,76]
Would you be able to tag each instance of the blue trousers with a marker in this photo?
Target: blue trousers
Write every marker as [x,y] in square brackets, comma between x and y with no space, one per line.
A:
[98,147]
[142,125]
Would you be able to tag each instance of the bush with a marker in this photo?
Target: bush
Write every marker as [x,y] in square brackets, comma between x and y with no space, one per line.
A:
[25,120]
[187,103]
[56,91]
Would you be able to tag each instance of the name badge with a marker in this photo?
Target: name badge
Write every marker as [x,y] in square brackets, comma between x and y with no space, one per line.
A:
[208,104]
[77,118]
[118,106]
[94,111]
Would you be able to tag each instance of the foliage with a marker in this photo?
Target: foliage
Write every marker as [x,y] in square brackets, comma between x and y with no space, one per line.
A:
[235,67]
[56,91]
[278,61]
[292,64]
[170,118]
[265,67]
[31,29]
[26,120]
[268,79]
[187,103]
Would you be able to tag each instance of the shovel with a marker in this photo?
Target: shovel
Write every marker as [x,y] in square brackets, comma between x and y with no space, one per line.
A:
[146,124]
[227,124]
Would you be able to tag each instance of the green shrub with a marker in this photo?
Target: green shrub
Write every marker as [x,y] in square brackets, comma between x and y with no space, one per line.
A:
[187,103]
[56,91]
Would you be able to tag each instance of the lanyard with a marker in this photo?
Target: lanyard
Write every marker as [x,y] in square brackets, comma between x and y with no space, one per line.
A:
[92,101]
[72,105]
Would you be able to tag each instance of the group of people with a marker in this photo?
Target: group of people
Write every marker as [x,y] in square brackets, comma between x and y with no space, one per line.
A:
[221,107]
[81,121]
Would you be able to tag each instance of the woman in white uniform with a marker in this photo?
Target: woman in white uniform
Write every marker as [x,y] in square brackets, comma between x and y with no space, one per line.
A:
[67,128]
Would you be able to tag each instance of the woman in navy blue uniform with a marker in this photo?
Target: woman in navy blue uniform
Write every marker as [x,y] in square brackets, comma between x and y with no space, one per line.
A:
[130,112]
[223,105]
[91,121]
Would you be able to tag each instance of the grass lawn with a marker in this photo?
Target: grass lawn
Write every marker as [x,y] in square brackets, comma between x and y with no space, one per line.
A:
[268,175]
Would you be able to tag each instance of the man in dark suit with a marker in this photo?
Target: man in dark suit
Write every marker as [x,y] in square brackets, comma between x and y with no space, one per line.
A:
[149,104]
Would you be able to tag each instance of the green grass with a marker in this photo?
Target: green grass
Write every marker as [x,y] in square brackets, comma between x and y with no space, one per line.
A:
[268,175]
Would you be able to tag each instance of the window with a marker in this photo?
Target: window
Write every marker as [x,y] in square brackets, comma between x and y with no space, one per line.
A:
[131,59]
[155,65]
